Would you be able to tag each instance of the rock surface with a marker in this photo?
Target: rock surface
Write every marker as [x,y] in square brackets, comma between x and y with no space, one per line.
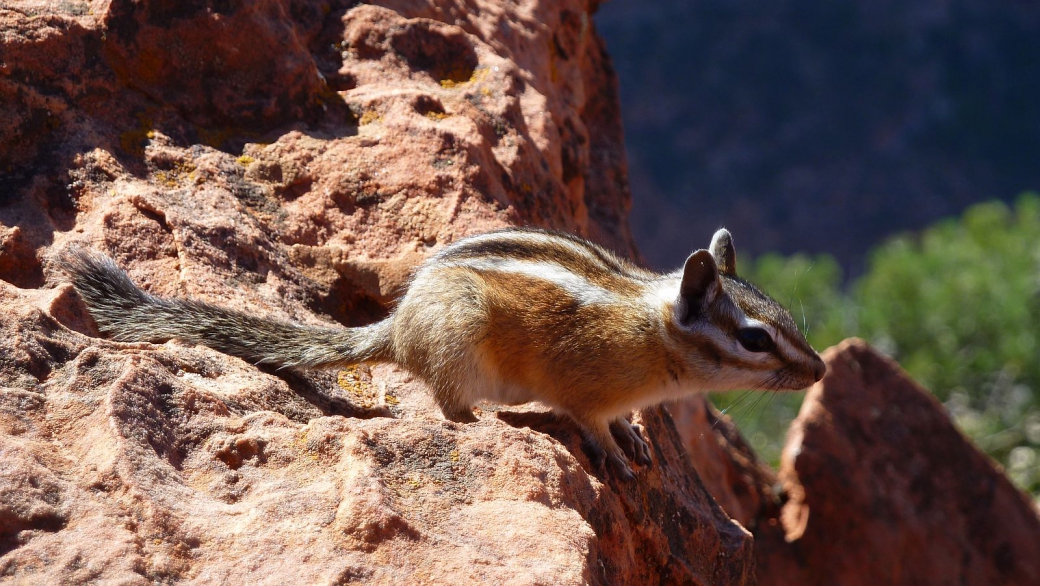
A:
[297,159]
[881,488]
[187,464]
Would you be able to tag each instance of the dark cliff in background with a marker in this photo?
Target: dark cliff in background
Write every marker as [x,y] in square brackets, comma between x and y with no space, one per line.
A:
[821,127]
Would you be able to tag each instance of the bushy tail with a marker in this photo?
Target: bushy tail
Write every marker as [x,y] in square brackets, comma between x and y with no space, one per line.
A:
[128,314]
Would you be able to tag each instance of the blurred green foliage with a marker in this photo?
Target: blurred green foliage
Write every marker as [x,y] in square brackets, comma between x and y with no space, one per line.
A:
[957,305]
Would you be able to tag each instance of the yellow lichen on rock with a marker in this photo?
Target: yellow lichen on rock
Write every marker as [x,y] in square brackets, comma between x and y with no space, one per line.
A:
[357,380]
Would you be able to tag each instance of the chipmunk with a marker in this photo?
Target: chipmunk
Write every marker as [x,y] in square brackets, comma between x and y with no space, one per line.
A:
[515,316]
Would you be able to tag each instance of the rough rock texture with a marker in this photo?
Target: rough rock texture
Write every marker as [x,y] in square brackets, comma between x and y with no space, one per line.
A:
[881,488]
[187,464]
[297,159]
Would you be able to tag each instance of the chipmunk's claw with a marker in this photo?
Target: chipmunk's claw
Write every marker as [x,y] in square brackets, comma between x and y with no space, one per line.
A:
[621,467]
[601,459]
[629,437]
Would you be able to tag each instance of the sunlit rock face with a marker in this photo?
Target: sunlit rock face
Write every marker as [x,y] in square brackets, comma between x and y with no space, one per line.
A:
[298,160]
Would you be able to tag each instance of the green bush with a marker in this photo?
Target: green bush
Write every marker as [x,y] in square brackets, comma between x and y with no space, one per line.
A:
[957,305]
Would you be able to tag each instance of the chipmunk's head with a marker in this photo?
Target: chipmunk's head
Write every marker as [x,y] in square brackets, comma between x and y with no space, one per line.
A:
[733,335]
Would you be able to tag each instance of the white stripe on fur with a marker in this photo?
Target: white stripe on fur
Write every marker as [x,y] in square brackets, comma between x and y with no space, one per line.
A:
[578,287]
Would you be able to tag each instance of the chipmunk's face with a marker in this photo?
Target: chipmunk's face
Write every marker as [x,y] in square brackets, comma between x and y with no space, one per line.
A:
[735,335]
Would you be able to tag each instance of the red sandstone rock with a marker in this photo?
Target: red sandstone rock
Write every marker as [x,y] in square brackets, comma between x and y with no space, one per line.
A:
[881,488]
[298,159]
[193,465]
[741,484]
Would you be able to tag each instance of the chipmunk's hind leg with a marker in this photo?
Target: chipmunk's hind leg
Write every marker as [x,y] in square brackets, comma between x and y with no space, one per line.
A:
[603,449]
[456,404]
[456,412]
[629,437]
[434,329]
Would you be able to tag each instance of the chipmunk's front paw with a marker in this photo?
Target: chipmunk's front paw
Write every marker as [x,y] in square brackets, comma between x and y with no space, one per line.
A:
[612,458]
[629,437]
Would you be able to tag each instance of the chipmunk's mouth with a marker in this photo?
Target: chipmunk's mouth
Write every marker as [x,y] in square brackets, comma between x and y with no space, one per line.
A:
[790,379]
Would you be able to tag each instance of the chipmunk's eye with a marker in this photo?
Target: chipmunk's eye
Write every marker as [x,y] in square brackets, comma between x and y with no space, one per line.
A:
[755,339]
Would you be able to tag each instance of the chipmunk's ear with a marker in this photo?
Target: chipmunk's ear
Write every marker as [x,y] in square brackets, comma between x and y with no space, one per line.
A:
[700,284]
[724,253]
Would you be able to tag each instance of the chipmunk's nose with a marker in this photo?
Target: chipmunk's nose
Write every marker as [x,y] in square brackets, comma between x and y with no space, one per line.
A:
[819,368]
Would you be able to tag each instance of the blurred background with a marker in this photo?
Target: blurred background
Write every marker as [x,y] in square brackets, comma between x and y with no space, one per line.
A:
[875,162]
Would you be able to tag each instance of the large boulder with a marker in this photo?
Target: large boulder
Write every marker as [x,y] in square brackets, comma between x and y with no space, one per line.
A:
[880,487]
[298,159]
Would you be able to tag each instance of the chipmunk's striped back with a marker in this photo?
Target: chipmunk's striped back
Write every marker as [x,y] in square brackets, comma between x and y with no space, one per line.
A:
[515,316]
[573,263]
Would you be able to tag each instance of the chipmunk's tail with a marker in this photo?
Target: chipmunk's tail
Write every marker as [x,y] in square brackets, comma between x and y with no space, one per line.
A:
[128,314]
